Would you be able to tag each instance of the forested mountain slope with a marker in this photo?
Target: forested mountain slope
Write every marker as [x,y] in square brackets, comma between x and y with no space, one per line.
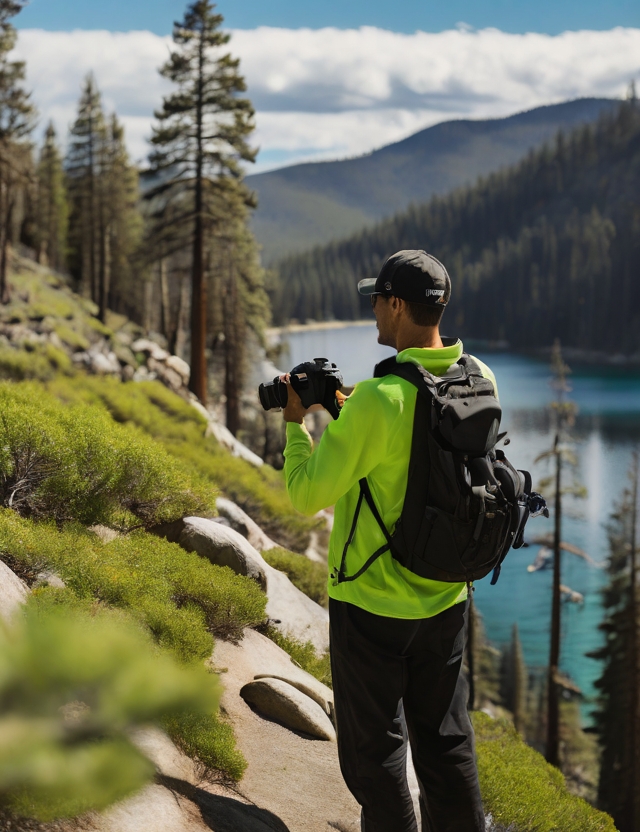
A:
[305,205]
[549,248]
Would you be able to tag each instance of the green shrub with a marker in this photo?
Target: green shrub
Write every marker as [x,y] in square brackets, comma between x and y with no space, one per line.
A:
[73,683]
[303,655]
[522,791]
[182,598]
[181,429]
[210,740]
[40,362]
[75,463]
[309,577]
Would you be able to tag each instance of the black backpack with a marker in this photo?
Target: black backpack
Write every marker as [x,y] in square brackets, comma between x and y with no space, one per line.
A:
[465,504]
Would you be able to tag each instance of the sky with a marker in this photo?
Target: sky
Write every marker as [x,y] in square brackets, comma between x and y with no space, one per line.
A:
[338,79]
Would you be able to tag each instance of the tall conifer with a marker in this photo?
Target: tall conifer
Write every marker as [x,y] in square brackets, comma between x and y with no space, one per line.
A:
[200,141]
[84,176]
[16,121]
[617,717]
[52,210]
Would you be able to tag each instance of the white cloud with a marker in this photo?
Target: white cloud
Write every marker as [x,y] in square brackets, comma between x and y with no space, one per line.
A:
[332,92]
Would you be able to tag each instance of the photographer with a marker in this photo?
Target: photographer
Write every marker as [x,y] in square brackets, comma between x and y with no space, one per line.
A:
[397,639]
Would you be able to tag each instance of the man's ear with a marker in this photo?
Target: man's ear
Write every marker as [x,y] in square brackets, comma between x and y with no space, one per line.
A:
[397,304]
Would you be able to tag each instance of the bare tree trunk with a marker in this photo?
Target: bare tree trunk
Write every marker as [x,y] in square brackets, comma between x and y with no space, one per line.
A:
[553,704]
[105,268]
[5,295]
[232,356]
[181,324]
[165,324]
[198,378]
[146,311]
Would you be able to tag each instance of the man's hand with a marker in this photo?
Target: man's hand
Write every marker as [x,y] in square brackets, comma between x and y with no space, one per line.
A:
[295,410]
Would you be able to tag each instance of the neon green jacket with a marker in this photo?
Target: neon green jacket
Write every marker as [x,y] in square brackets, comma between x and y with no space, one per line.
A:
[371,438]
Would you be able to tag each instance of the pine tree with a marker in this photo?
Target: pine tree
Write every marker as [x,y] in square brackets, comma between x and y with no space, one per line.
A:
[52,210]
[515,682]
[200,141]
[16,122]
[564,412]
[84,182]
[121,224]
[618,717]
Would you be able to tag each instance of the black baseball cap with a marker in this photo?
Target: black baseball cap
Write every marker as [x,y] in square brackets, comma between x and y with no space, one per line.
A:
[412,275]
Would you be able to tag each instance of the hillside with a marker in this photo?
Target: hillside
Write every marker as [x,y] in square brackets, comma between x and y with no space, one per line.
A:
[547,249]
[311,204]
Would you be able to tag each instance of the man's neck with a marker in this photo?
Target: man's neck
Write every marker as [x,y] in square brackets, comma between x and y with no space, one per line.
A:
[420,337]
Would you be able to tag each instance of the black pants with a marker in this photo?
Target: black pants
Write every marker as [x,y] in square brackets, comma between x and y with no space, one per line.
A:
[393,680]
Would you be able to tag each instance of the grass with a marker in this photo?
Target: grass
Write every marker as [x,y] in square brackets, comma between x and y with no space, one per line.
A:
[522,791]
[308,576]
[304,655]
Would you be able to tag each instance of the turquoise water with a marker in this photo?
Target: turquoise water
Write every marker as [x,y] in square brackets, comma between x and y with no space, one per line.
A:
[607,429]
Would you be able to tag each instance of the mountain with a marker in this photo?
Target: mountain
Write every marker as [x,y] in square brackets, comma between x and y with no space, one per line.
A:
[547,249]
[310,204]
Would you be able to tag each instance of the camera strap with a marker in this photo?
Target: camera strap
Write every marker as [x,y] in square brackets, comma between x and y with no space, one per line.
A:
[365,493]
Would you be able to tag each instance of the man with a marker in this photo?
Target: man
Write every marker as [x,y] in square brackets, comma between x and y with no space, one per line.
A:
[396,639]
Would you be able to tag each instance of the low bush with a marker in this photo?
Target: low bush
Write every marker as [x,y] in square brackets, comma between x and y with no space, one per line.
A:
[308,576]
[73,683]
[40,362]
[181,430]
[522,791]
[181,597]
[75,463]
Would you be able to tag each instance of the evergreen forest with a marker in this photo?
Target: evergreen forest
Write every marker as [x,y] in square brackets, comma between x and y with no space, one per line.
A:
[546,249]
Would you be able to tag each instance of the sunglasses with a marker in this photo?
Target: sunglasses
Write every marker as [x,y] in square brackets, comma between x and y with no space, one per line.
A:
[374,298]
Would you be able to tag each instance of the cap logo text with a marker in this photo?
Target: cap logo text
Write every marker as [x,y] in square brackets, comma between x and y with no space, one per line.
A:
[435,292]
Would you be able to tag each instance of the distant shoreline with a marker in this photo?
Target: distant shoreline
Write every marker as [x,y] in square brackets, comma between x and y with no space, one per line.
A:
[315,326]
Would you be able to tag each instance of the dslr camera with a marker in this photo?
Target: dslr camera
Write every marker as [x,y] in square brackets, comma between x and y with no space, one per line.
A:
[316,382]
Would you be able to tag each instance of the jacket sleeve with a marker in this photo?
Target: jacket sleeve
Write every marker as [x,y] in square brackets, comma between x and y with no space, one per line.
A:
[349,449]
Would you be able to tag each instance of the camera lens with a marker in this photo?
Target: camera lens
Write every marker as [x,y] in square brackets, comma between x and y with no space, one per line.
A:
[273,394]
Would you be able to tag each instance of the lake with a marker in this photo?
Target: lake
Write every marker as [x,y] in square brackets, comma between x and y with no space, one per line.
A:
[606,431]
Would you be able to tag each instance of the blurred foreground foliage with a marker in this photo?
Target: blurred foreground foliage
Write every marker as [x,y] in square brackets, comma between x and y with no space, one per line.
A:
[74,680]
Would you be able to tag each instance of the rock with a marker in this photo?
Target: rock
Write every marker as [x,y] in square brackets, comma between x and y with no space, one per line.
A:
[103,363]
[281,701]
[294,613]
[244,525]
[13,593]
[154,809]
[150,348]
[143,374]
[222,546]
[167,757]
[313,550]
[291,611]
[261,658]
[293,776]
[179,366]
[228,440]
[170,378]
[48,578]
[105,533]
